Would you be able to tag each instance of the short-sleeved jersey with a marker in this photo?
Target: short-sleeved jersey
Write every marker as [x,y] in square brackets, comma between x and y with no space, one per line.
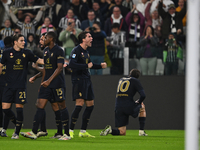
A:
[51,58]
[17,66]
[126,89]
[78,63]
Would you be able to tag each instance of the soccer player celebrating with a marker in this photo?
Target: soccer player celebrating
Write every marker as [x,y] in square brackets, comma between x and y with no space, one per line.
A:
[82,90]
[125,105]
[52,87]
[54,105]
[16,60]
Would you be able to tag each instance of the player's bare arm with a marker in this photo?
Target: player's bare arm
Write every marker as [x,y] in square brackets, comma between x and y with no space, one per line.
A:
[40,61]
[55,74]
[1,67]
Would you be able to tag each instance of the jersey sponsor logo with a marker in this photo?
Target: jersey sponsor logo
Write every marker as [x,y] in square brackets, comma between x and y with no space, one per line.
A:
[80,94]
[74,55]
[24,55]
[23,100]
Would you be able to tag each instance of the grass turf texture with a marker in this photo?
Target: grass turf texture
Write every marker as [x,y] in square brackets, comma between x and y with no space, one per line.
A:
[156,140]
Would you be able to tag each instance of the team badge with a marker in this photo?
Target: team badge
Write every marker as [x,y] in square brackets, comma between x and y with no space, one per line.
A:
[82,54]
[74,55]
[11,55]
[18,61]
[23,55]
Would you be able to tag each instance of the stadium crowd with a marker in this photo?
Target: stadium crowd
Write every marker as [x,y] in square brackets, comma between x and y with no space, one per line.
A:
[151,29]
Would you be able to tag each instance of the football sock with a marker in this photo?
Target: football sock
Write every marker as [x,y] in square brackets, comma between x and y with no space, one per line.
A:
[43,123]
[74,117]
[40,113]
[115,132]
[10,114]
[6,122]
[86,117]
[65,120]
[1,115]
[19,120]
[142,122]
[58,121]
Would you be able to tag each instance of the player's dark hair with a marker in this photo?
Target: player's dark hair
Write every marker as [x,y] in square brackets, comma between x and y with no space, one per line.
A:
[8,41]
[115,25]
[82,36]
[52,35]
[16,37]
[134,73]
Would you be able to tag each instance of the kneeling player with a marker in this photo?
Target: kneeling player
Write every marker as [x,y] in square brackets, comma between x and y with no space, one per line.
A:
[126,106]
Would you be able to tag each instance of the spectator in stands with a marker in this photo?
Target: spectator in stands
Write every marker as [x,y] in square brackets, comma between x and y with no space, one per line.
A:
[70,15]
[172,20]
[128,4]
[45,27]
[115,45]
[105,6]
[54,11]
[153,19]
[135,22]
[142,6]
[171,55]
[123,9]
[28,9]
[178,9]
[97,50]
[86,24]
[148,53]
[116,17]
[69,36]
[80,9]
[27,26]
[7,31]
[4,11]
[155,4]
[98,13]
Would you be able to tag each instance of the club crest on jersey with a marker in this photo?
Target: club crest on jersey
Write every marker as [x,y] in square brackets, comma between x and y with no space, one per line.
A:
[23,55]
[74,55]
[11,55]
[82,54]
[18,61]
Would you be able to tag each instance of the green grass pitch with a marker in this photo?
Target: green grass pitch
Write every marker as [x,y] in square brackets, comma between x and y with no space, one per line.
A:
[156,140]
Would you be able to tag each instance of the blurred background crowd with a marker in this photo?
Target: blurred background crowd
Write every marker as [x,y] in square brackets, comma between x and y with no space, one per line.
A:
[153,31]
